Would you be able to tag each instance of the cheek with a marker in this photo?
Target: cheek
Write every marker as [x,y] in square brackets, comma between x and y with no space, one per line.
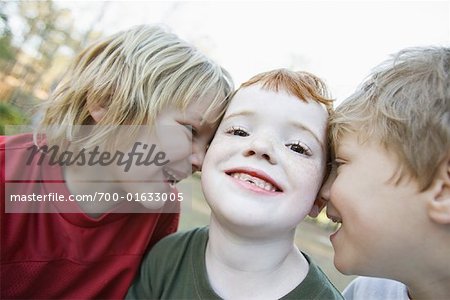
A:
[341,196]
[207,165]
[209,183]
[308,179]
[217,150]
[176,147]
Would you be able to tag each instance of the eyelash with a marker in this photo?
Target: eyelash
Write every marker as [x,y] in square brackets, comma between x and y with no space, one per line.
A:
[233,130]
[239,131]
[304,150]
[191,129]
[335,164]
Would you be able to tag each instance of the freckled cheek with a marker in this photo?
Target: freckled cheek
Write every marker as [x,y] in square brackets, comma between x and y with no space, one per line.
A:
[221,148]
[308,177]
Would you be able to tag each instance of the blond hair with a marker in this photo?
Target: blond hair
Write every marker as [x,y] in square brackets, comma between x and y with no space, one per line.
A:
[133,74]
[405,104]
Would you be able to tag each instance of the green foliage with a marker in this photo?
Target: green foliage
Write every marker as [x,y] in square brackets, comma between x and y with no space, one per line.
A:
[7,51]
[10,115]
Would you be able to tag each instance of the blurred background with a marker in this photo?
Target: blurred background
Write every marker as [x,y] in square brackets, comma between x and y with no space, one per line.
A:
[340,41]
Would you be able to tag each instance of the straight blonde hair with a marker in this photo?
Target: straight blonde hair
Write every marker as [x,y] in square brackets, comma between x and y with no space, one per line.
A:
[405,105]
[133,74]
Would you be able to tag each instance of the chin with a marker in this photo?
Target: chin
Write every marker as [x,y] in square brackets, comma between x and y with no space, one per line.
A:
[153,204]
[344,266]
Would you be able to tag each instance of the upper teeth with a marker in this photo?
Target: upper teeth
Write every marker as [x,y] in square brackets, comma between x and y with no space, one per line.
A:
[255,180]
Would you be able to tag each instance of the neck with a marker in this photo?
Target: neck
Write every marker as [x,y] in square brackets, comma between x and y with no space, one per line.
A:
[82,181]
[429,277]
[432,286]
[436,290]
[241,266]
[246,253]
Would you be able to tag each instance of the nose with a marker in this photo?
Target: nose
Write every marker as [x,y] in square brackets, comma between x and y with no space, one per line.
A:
[261,147]
[197,157]
[325,190]
[325,194]
[326,186]
[332,213]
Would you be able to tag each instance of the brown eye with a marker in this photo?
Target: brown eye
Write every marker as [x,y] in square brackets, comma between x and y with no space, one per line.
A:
[300,148]
[237,131]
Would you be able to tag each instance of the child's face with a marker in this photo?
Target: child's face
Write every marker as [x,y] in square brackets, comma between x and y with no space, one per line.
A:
[266,163]
[378,217]
[182,137]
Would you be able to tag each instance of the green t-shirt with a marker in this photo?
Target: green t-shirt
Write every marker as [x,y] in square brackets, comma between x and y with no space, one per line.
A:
[175,269]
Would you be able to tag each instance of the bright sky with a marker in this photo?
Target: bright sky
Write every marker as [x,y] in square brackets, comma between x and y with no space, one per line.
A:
[340,41]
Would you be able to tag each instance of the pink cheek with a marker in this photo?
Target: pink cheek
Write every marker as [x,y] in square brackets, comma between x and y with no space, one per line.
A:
[314,177]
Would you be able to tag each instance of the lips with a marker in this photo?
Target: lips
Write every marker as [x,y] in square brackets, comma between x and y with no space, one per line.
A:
[256,178]
[172,176]
[338,222]
[335,219]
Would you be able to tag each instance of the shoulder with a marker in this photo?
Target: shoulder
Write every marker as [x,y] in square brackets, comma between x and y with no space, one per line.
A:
[16,147]
[181,239]
[20,141]
[169,249]
[375,288]
[168,264]
[316,284]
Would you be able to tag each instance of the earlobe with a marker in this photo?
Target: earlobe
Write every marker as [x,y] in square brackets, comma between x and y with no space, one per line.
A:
[439,204]
[439,211]
[97,112]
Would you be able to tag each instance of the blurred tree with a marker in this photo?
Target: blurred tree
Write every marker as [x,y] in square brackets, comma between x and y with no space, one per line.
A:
[6,48]
[48,27]
[91,34]
[36,52]
[10,115]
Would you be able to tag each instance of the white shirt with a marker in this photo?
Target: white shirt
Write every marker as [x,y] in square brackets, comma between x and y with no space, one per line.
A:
[371,288]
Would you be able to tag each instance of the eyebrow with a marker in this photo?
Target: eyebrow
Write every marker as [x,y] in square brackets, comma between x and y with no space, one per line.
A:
[239,113]
[306,128]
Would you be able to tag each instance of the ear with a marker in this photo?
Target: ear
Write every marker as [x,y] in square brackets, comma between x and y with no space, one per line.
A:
[97,112]
[439,205]
[318,205]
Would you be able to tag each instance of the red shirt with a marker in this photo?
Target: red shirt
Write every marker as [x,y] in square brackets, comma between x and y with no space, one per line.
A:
[69,255]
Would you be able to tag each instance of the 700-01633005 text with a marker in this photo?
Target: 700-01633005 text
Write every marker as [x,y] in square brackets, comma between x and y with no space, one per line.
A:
[98,196]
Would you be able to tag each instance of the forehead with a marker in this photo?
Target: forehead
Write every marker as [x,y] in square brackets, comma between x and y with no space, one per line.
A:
[353,144]
[204,109]
[254,100]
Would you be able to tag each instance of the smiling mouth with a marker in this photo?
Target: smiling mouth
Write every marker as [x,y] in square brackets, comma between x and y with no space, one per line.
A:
[337,222]
[172,177]
[256,181]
